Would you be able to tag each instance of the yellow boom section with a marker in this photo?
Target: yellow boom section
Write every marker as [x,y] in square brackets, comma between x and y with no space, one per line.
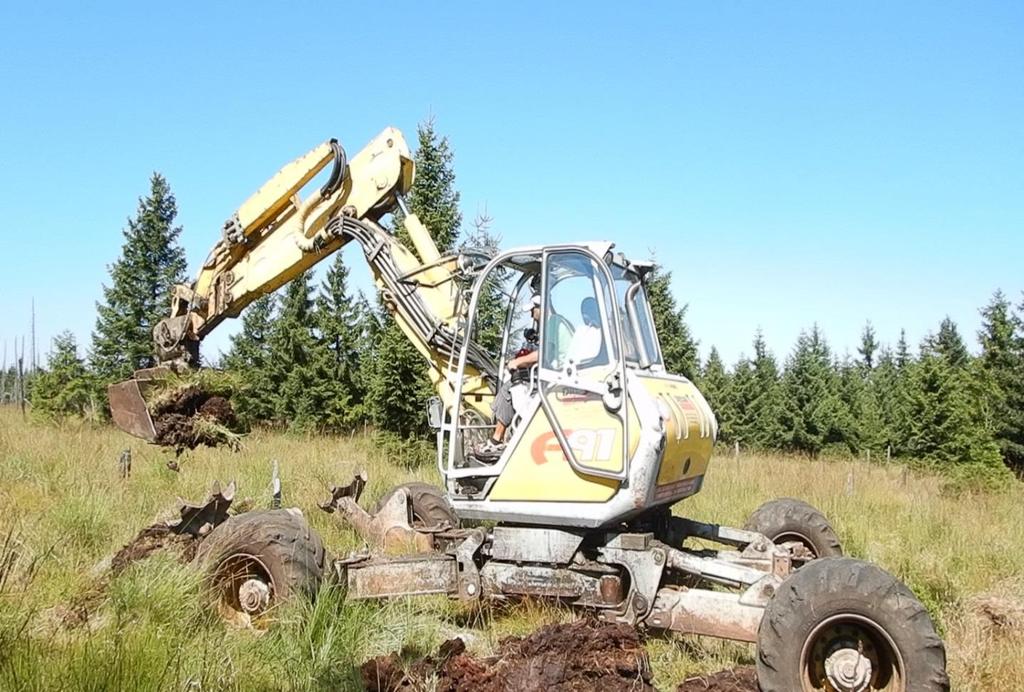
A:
[275,235]
[268,242]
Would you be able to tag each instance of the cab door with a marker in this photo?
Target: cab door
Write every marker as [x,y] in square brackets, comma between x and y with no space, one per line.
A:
[581,373]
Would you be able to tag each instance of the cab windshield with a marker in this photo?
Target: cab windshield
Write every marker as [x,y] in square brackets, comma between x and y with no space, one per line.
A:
[640,343]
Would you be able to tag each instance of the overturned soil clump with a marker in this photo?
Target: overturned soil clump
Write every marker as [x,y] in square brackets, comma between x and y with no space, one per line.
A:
[583,655]
[192,417]
[78,611]
[740,679]
[150,540]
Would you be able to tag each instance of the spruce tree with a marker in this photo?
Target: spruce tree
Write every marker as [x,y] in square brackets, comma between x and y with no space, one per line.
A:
[141,279]
[1002,365]
[249,357]
[868,347]
[739,422]
[291,367]
[948,344]
[767,405]
[891,399]
[713,384]
[812,408]
[433,197]
[860,416]
[678,347]
[947,418]
[902,357]
[490,312]
[337,399]
[64,389]
[397,385]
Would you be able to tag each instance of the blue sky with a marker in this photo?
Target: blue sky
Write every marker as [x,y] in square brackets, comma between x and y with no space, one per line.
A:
[791,163]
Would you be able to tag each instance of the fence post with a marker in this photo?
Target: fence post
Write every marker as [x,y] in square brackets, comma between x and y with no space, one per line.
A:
[736,450]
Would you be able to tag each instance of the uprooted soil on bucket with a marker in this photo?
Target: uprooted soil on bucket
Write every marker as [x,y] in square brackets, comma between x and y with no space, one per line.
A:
[191,417]
[583,655]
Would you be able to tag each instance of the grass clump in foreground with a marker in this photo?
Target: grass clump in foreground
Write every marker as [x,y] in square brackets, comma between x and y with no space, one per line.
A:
[64,507]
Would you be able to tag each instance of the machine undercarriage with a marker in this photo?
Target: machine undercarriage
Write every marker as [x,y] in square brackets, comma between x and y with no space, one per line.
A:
[638,574]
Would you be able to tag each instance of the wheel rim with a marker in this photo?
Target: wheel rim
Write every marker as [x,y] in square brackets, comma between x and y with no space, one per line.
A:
[801,547]
[851,653]
[244,588]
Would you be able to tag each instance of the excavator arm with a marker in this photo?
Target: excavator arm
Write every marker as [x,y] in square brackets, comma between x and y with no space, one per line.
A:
[275,235]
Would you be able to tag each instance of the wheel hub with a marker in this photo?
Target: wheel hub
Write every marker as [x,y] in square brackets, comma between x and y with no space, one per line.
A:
[254,596]
[848,670]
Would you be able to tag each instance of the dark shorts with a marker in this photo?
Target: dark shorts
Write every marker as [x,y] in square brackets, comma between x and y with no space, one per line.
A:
[502,405]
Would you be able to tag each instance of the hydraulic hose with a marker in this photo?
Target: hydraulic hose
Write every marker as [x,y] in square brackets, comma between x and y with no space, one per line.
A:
[377,248]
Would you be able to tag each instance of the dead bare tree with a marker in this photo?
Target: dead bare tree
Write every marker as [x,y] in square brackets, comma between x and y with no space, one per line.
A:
[21,377]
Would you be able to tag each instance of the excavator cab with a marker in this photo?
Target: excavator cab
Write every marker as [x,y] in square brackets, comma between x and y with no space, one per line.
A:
[601,431]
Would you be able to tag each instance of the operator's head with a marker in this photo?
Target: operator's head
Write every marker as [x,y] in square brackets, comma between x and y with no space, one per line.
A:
[591,315]
[534,307]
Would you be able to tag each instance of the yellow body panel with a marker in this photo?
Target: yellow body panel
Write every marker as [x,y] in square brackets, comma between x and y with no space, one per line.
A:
[539,471]
[689,432]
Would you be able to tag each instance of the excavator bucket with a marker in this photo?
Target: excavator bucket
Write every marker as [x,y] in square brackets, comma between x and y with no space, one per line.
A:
[128,407]
[129,410]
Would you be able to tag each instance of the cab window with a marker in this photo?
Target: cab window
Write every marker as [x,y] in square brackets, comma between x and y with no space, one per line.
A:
[635,318]
[575,330]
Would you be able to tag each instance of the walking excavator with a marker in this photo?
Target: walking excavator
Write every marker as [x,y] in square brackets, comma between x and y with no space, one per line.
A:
[574,500]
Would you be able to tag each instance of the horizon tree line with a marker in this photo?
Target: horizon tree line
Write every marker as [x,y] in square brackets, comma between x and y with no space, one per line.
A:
[324,358]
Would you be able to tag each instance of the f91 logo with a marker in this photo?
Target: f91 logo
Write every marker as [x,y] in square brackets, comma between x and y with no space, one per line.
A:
[589,446]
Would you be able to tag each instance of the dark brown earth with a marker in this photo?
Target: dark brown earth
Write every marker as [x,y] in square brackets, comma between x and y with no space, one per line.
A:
[174,420]
[148,541]
[79,610]
[741,679]
[583,655]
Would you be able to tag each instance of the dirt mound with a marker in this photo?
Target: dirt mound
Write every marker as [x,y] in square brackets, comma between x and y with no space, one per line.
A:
[150,540]
[78,611]
[741,679]
[583,655]
[191,417]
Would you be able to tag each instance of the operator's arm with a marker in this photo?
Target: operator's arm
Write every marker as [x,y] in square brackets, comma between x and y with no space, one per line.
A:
[523,361]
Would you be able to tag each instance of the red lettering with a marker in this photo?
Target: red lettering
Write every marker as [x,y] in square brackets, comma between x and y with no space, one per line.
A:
[546,444]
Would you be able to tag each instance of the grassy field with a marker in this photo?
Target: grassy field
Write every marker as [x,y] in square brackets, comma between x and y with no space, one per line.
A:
[64,508]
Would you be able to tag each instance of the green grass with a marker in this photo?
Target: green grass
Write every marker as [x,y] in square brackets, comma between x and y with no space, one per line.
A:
[64,508]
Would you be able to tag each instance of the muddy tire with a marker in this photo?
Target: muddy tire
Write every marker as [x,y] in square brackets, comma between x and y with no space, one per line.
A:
[853,621]
[260,559]
[430,507]
[788,520]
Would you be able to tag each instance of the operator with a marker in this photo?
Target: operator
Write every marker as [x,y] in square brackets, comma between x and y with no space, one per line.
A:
[586,340]
[583,345]
[502,407]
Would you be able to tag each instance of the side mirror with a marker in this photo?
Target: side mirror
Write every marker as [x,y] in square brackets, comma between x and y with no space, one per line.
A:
[435,413]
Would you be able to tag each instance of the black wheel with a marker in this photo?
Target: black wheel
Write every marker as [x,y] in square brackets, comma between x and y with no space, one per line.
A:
[257,560]
[843,625]
[794,522]
[430,507]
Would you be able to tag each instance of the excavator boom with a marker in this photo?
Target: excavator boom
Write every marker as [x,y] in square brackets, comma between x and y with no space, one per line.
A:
[276,235]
